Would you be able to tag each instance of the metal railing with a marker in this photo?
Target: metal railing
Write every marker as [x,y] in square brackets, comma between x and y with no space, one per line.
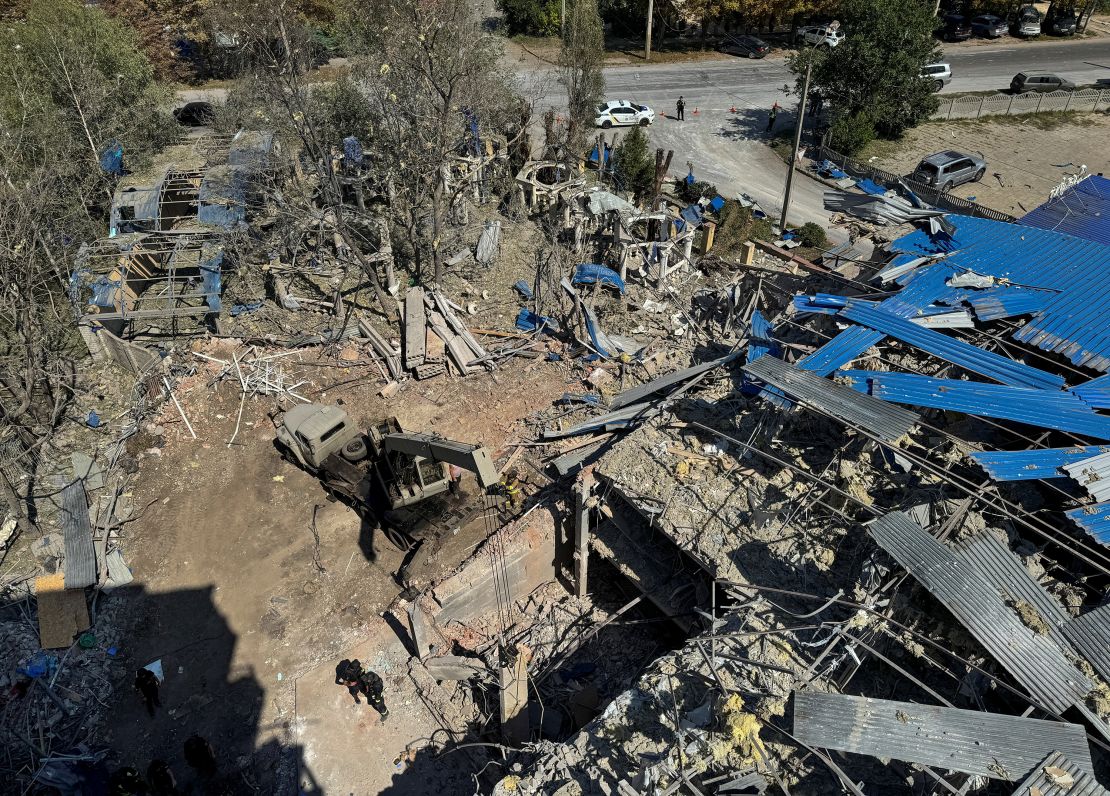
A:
[934,196]
[969,107]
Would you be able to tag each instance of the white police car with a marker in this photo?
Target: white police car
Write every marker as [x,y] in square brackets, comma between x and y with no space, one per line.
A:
[623,113]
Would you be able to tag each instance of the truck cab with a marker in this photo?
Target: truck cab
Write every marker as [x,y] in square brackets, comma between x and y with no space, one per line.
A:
[313,432]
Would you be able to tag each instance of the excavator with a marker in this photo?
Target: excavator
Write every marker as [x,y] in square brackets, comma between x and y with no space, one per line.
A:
[408,485]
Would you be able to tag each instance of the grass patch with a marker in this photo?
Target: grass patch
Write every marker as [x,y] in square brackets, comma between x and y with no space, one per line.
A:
[880,148]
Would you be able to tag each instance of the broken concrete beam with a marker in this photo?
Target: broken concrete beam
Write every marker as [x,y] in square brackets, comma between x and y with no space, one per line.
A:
[458,327]
[418,627]
[429,370]
[415,327]
[456,349]
[454,667]
[514,698]
[434,348]
[581,537]
[382,347]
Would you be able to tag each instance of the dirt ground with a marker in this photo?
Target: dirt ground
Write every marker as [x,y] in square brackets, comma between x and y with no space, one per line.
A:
[229,595]
[1026,156]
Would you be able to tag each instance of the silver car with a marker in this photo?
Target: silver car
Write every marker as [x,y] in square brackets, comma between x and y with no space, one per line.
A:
[946,170]
[940,75]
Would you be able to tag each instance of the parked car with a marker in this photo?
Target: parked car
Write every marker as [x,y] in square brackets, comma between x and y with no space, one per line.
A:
[1060,23]
[1027,22]
[821,35]
[1039,81]
[747,46]
[956,28]
[946,170]
[623,113]
[989,26]
[939,74]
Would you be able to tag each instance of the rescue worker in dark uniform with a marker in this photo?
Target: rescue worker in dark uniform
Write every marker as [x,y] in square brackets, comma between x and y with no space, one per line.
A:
[359,679]
[200,755]
[147,684]
[161,779]
[126,782]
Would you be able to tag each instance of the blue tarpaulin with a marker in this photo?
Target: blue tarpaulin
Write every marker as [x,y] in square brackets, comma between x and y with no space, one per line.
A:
[717,203]
[111,159]
[523,289]
[693,215]
[528,321]
[352,151]
[608,155]
[592,273]
[871,187]
[223,197]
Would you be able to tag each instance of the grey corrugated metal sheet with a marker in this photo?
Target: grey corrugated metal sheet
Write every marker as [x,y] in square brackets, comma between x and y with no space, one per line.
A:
[1090,635]
[80,563]
[988,744]
[993,560]
[885,420]
[1034,661]
[1092,474]
[1041,783]
[978,360]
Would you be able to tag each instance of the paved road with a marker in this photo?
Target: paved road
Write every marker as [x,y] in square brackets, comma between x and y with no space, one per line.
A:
[728,147]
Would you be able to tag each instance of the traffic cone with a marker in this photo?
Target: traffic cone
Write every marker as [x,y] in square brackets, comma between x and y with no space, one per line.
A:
[732,109]
[695,110]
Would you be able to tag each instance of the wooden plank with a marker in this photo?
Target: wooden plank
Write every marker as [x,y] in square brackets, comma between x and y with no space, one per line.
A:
[62,612]
[415,327]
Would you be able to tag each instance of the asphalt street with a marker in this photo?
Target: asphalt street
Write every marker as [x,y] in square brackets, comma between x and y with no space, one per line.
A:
[723,138]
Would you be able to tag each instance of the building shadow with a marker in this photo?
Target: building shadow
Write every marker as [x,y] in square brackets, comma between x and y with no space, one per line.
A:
[202,693]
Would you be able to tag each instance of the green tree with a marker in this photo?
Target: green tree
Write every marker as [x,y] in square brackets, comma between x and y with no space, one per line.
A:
[874,75]
[72,80]
[633,164]
[580,72]
[531,17]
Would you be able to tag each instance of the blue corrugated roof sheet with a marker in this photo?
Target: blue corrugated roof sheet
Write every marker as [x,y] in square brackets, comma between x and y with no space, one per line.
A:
[1082,210]
[1095,392]
[1071,323]
[1095,520]
[1007,302]
[1033,464]
[985,363]
[1060,410]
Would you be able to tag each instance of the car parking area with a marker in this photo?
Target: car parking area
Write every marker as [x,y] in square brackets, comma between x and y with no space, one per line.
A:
[1014,149]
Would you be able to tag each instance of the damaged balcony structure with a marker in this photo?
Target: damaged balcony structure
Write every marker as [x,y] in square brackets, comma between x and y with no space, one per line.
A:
[833,489]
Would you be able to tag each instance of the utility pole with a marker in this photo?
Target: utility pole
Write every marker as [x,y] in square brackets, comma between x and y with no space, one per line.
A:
[647,40]
[797,144]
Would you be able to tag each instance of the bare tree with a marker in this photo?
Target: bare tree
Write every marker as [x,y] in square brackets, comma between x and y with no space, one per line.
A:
[580,72]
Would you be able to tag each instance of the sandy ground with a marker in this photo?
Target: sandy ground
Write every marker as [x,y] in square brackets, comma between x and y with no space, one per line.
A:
[1024,160]
[231,600]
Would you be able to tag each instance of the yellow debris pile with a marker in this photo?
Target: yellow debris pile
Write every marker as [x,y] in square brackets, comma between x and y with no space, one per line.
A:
[743,729]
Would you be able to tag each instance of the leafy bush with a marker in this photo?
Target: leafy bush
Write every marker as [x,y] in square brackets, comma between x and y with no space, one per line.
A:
[733,228]
[693,191]
[812,235]
[851,132]
[531,17]
[633,165]
[763,229]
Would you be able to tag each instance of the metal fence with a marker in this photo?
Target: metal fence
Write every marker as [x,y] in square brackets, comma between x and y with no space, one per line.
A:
[934,196]
[1088,99]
